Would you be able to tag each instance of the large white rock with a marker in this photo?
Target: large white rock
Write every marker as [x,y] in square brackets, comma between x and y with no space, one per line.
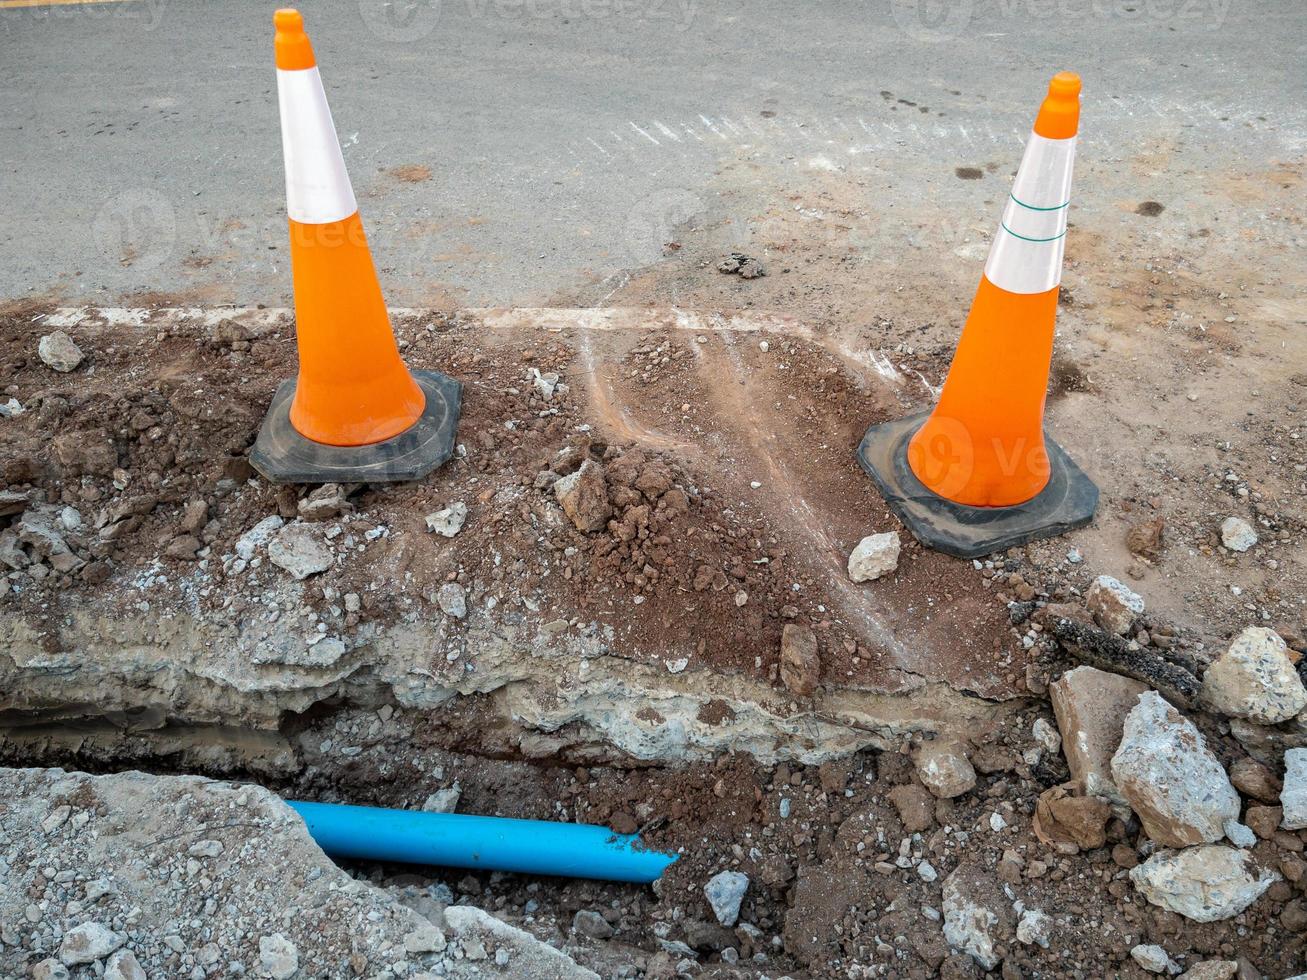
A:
[300,550]
[58,351]
[945,769]
[725,891]
[874,556]
[976,919]
[449,520]
[1204,883]
[1113,605]
[1255,679]
[1294,795]
[87,943]
[1154,959]
[1237,534]
[1170,778]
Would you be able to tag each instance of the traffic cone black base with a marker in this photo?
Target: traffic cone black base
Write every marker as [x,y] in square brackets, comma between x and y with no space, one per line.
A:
[1067,501]
[282,455]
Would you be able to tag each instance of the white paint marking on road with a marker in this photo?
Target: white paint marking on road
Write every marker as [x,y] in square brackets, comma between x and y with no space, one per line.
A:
[597,146]
[709,124]
[690,132]
[643,133]
[727,122]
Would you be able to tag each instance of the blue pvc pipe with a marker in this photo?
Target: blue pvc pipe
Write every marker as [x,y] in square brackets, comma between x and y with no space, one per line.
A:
[458,840]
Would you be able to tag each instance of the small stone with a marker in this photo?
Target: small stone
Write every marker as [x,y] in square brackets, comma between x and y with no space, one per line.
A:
[424,939]
[183,547]
[874,556]
[443,800]
[300,550]
[1203,883]
[87,943]
[1062,819]
[944,768]
[123,965]
[1264,821]
[1255,679]
[1113,605]
[1239,835]
[1034,927]
[278,957]
[1170,778]
[448,521]
[1237,534]
[257,536]
[1212,970]
[1251,778]
[1293,798]
[205,849]
[1047,736]
[194,515]
[975,916]
[725,891]
[58,351]
[325,503]
[1154,959]
[915,805]
[583,495]
[592,924]
[800,662]
[452,599]
[50,969]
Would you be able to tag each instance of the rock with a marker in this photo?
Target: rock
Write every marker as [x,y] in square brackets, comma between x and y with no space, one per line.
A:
[725,891]
[1091,706]
[1293,798]
[1034,928]
[452,599]
[800,662]
[531,959]
[1239,834]
[1112,604]
[944,768]
[257,536]
[591,924]
[325,503]
[1203,883]
[300,550]
[874,556]
[1237,534]
[123,965]
[443,800]
[183,547]
[278,957]
[1169,777]
[194,515]
[1212,970]
[424,939]
[915,805]
[1071,823]
[976,915]
[583,496]
[1255,679]
[50,969]
[1264,821]
[449,520]
[1154,959]
[1145,539]
[58,351]
[87,943]
[1251,778]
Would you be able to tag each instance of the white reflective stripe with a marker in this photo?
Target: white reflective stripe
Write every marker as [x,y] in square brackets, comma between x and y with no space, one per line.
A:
[1026,256]
[317,186]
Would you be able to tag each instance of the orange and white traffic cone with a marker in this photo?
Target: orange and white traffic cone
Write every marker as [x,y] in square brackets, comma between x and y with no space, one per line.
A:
[355,412]
[977,475]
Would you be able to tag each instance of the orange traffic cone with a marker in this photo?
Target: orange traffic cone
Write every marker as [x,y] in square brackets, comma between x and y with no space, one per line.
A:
[978,476]
[354,412]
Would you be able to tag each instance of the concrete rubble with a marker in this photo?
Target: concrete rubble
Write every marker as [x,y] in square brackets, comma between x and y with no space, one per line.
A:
[1255,679]
[1091,706]
[874,556]
[1204,883]
[141,875]
[1170,778]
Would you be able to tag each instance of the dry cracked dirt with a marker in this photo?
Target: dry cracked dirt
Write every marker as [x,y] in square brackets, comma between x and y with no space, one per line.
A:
[909,804]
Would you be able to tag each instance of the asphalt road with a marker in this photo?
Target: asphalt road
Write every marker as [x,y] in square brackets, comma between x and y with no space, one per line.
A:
[566,138]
